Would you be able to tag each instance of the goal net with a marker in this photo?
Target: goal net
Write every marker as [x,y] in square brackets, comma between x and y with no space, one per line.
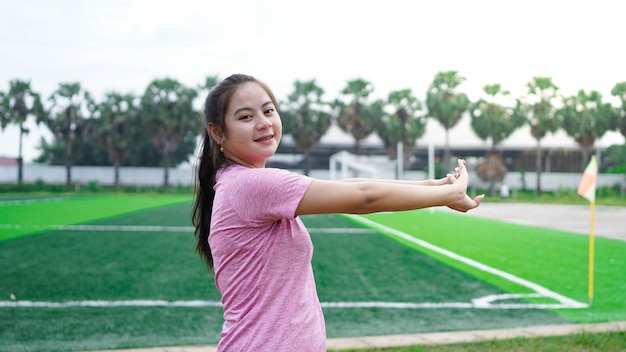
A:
[347,165]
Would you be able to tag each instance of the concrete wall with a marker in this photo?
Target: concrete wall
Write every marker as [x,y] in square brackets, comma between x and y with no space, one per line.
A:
[146,176]
[103,175]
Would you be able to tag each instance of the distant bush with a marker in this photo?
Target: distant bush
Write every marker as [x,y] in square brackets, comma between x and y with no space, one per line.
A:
[604,196]
[614,159]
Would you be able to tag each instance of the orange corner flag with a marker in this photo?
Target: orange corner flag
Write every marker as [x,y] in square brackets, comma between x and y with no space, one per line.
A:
[587,189]
[587,186]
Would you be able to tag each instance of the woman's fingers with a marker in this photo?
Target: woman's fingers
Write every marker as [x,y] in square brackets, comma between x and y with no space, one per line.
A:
[467,203]
[479,198]
[461,176]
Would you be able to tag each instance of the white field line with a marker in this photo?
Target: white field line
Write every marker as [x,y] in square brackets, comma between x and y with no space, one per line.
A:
[33,200]
[141,228]
[479,303]
[540,290]
[124,228]
[109,304]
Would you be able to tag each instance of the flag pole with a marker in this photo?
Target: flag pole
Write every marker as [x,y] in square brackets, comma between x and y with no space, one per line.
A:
[587,189]
[591,251]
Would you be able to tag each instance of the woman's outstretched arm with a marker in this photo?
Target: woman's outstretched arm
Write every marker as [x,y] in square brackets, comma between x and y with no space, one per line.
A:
[370,196]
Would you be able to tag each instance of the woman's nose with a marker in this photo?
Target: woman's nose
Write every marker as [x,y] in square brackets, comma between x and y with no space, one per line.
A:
[264,122]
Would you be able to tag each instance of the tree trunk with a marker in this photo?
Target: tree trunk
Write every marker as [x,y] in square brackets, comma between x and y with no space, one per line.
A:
[166,170]
[166,176]
[20,160]
[538,158]
[445,163]
[586,154]
[492,170]
[68,163]
[306,162]
[358,147]
[116,181]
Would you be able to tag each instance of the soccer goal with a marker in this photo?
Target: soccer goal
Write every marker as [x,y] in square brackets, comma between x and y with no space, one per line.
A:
[346,165]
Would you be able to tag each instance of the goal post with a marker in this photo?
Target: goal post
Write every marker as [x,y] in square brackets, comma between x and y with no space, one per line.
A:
[344,165]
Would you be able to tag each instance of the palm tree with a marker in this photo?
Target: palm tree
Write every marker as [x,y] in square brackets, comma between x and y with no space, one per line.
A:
[619,90]
[4,111]
[539,106]
[358,117]
[209,82]
[446,105]
[116,127]
[169,118]
[403,124]
[306,118]
[586,118]
[66,118]
[20,103]
[493,118]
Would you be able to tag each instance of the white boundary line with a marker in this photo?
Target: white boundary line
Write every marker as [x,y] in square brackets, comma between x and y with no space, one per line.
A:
[480,303]
[109,304]
[540,290]
[32,200]
[142,228]
[124,228]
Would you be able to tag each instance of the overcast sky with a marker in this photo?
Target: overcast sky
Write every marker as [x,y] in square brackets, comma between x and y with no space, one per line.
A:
[123,45]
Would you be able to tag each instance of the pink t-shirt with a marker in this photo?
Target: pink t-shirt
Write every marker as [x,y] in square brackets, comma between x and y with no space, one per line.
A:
[262,259]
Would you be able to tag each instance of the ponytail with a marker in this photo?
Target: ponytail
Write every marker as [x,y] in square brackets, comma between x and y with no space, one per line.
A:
[203,205]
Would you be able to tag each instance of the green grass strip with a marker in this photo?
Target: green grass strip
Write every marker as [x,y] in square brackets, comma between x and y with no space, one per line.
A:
[554,259]
[19,219]
[580,342]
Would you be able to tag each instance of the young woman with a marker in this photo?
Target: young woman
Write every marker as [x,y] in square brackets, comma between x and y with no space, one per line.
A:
[247,225]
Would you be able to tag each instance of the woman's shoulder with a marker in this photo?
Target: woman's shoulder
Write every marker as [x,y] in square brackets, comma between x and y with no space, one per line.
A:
[241,173]
[245,181]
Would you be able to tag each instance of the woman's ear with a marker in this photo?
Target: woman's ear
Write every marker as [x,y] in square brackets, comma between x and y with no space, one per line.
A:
[215,132]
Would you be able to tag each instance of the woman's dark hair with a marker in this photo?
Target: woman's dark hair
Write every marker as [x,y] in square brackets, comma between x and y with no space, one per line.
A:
[211,158]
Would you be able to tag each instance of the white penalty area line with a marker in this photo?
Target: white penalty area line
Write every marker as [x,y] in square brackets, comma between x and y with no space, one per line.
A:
[541,291]
[142,228]
[479,303]
[123,228]
[31,200]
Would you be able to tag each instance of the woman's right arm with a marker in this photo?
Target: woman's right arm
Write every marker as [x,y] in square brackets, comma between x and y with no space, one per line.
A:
[370,196]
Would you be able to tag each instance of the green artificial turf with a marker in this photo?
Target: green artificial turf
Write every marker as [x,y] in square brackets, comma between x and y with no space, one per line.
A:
[554,259]
[74,265]
[116,265]
[22,218]
[368,267]
[581,342]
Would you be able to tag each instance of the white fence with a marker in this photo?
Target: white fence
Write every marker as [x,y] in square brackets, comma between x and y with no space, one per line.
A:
[184,176]
[103,175]
[553,181]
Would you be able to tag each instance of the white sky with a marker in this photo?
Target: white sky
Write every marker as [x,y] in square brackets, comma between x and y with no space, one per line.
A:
[123,45]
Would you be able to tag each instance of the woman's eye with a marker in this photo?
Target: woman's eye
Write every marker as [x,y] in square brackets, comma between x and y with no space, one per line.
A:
[245,117]
[269,111]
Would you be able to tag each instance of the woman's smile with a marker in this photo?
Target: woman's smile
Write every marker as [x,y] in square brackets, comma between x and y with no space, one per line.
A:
[253,125]
[264,139]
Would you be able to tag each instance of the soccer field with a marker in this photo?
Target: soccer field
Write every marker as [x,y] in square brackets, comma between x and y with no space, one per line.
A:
[87,273]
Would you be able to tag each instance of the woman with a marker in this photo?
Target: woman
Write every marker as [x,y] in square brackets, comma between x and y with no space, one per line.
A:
[247,225]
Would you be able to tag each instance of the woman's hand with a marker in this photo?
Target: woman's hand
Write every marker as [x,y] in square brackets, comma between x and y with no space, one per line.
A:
[461,179]
[467,203]
[450,178]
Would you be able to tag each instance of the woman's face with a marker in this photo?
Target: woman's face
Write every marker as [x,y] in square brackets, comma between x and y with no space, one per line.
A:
[253,127]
